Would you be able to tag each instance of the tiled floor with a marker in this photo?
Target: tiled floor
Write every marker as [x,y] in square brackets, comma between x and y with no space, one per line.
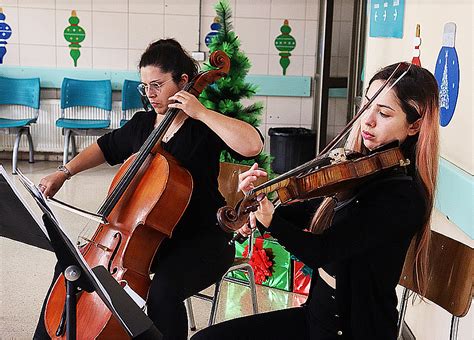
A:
[25,271]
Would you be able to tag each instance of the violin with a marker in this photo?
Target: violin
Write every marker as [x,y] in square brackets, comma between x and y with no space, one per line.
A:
[333,171]
[149,183]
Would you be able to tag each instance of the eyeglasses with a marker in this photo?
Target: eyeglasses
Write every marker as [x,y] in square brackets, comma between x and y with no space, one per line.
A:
[153,86]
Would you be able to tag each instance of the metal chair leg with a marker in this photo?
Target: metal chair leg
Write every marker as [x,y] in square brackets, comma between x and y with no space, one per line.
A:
[67,136]
[215,303]
[189,310]
[73,145]
[453,333]
[15,150]
[402,312]
[253,289]
[31,156]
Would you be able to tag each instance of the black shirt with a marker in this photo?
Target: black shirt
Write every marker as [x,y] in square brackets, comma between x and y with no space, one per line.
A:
[364,248]
[195,146]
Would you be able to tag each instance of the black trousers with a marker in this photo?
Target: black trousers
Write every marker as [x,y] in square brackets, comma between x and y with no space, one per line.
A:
[183,267]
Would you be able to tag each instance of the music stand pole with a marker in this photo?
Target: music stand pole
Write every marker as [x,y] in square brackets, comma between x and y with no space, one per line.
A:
[71,274]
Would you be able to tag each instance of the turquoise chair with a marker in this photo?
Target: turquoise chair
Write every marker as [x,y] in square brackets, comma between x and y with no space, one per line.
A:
[24,93]
[131,99]
[83,93]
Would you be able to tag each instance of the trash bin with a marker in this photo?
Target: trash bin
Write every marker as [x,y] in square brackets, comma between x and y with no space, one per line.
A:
[291,147]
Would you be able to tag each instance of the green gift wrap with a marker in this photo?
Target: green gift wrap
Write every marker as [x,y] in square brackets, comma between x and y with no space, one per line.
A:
[279,273]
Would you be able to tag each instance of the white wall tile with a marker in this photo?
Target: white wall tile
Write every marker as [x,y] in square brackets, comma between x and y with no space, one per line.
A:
[334,65]
[312,10]
[307,109]
[37,26]
[44,4]
[12,57]
[309,66]
[253,34]
[343,67]
[347,7]
[82,5]
[259,63]
[13,3]
[144,29]
[110,5]
[134,58]
[37,55]
[109,58]
[109,30]
[285,9]
[208,7]
[188,37]
[64,59]
[337,10]
[283,110]
[62,22]
[146,6]
[294,69]
[11,18]
[336,30]
[340,111]
[253,9]
[182,7]
[345,39]
[297,32]
[310,37]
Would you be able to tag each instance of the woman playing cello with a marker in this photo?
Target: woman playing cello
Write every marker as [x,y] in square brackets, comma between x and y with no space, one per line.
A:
[359,244]
[198,253]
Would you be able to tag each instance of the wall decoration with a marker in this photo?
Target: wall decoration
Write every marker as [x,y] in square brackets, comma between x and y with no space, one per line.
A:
[447,74]
[5,34]
[386,18]
[285,43]
[416,51]
[215,27]
[74,34]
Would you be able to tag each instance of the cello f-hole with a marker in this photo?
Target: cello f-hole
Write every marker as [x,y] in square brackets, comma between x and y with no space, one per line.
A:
[112,257]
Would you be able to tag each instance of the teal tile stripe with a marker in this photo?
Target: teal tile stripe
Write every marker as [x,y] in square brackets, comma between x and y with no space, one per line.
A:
[292,86]
[455,196]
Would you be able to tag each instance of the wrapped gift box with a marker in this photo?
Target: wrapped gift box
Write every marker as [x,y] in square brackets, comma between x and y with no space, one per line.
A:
[271,263]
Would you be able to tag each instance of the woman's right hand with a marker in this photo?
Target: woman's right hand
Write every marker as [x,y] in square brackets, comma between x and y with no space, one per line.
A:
[50,184]
[264,213]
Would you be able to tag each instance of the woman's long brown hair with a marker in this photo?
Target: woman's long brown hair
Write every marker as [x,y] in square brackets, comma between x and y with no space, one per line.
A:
[417,93]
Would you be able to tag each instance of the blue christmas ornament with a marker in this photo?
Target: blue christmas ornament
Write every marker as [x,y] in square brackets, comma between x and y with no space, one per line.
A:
[215,27]
[5,34]
[447,75]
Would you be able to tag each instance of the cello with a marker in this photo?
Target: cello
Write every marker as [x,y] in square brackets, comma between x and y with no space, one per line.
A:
[148,183]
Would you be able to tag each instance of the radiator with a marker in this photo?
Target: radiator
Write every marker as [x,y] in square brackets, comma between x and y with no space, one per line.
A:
[46,136]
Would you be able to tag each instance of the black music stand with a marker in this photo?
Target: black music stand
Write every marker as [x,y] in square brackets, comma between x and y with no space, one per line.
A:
[78,275]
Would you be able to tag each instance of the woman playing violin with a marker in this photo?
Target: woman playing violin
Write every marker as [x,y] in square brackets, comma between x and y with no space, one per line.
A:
[198,253]
[358,245]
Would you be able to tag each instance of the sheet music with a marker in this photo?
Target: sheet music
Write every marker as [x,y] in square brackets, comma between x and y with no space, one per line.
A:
[20,198]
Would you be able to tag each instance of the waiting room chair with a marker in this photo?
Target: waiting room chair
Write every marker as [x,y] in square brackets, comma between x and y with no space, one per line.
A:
[131,99]
[228,184]
[75,95]
[450,278]
[25,95]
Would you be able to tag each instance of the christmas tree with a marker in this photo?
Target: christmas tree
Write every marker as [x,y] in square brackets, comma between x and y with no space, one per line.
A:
[225,94]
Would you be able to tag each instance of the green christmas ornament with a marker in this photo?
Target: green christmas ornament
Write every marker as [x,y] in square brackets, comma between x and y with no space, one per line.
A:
[285,43]
[74,34]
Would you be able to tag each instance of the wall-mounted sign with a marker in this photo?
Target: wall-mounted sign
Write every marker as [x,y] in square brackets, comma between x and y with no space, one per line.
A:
[447,75]
[386,18]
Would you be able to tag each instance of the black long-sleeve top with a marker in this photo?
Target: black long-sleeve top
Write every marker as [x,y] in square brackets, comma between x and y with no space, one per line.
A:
[364,248]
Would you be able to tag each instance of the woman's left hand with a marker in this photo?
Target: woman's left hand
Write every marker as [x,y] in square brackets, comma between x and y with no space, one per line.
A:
[188,103]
